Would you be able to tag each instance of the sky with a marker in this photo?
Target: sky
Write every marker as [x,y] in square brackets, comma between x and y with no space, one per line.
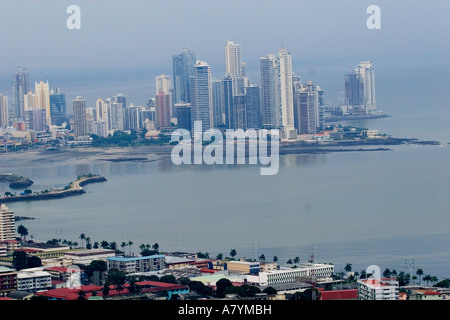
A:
[144,35]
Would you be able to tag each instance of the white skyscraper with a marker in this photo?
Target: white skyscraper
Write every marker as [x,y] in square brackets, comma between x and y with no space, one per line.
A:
[233,61]
[79,117]
[163,84]
[286,94]
[366,74]
[4,120]
[201,95]
[7,224]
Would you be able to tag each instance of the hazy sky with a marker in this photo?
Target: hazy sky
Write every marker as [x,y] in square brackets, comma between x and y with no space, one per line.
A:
[147,33]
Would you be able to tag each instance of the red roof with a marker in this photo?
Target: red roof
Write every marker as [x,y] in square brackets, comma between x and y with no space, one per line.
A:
[5,298]
[204,270]
[72,293]
[432,293]
[339,294]
[60,269]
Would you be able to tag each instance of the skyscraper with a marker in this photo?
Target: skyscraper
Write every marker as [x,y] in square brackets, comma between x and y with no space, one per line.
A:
[57,107]
[253,106]
[7,224]
[366,74]
[306,113]
[163,84]
[233,60]
[201,95]
[228,102]
[162,105]
[36,119]
[270,96]
[42,98]
[286,94]
[20,87]
[4,118]
[218,110]
[183,113]
[354,90]
[79,117]
[239,112]
[183,70]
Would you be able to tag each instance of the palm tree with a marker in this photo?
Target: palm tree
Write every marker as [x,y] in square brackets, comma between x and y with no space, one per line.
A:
[419,272]
[113,245]
[275,259]
[82,237]
[96,245]
[427,278]
[434,279]
[219,256]
[233,253]
[348,267]
[123,245]
[387,273]
[119,287]
[414,278]
[23,231]
[262,258]
[394,273]
[130,243]
[134,287]
[289,261]
[88,243]
[155,246]
[104,244]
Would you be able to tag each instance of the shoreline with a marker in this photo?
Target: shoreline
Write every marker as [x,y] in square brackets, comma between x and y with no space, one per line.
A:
[76,188]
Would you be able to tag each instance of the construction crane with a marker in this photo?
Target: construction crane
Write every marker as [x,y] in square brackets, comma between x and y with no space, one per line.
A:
[21,68]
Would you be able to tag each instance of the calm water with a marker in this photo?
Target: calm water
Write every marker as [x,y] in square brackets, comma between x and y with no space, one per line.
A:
[361,207]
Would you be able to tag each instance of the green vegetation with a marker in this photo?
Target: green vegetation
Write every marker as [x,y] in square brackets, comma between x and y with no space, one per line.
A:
[124,139]
[22,261]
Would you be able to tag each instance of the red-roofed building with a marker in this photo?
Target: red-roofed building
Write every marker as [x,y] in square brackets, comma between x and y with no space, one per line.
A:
[427,294]
[349,294]
[145,286]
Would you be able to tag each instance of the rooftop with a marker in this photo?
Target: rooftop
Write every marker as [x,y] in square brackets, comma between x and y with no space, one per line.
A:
[136,258]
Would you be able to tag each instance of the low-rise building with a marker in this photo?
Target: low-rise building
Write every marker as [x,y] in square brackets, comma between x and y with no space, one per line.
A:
[311,272]
[426,294]
[136,264]
[378,289]
[33,280]
[85,257]
[243,266]
[8,280]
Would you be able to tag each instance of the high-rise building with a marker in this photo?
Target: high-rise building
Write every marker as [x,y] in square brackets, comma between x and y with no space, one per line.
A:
[286,94]
[36,119]
[99,128]
[20,87]
[58,107]
[132,118]
[115,115]
[270,96]
[121,98]
[183,70]
[162,106]
[29,101]
[183,113]
[79,117]
[233,60]
[218,110]
[366,74]
[7,224]
[4,117]
[163,84]
[253,106]
[42,98]
[201,95]
[354,90]
[306,113]
[228,101]
[240,112]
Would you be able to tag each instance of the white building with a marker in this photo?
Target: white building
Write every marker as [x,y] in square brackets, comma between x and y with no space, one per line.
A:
[313,271]
[234,66]
[33,280]
[85,257]
[378,289]
[366,73]
[286,94]
[7,224]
